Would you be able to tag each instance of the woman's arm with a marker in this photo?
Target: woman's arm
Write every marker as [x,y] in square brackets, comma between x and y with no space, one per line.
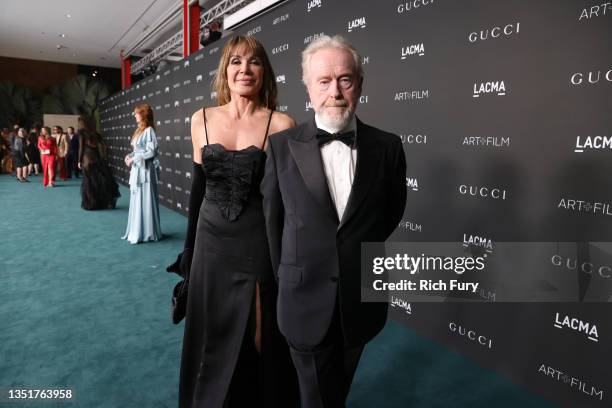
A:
[196,196]
[150,148]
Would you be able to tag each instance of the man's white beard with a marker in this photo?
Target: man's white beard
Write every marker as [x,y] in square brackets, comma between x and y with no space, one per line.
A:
[335,123]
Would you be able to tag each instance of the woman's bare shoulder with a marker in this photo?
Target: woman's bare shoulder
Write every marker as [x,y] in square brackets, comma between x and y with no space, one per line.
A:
[281,121]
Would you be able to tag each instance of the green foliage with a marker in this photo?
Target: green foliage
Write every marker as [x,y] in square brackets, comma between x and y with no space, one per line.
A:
[77,96]
[18,104]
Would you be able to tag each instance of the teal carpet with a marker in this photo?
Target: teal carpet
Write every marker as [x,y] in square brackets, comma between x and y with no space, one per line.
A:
[82,309]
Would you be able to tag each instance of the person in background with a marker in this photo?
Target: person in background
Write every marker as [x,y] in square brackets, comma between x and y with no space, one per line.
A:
[143,220]
[33,153]
[212,33]
[48,153]
[20,160]
[5,151]
[73,153]
[13,134]
[99,190]
[62,150]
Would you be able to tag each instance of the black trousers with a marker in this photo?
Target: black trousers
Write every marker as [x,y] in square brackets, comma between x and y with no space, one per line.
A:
[72,165]
[325,373]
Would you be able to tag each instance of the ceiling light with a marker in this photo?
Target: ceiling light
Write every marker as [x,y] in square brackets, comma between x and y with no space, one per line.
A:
[68,15]
[63,35]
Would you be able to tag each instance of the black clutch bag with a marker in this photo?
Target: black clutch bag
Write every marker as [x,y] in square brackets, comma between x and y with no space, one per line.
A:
[179,301]
[179,294]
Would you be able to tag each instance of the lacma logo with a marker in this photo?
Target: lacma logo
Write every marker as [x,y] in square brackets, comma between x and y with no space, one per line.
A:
[402,304]
[167,89]
[185,64]
[313,3]
[280,79]
[593,142]
[586,328]
[488,88]
[357,23]
[213,94]
[308,105]
[475,240]
[414,49]
[412,183]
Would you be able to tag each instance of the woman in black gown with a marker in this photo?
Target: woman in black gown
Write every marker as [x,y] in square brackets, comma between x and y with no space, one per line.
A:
[233,353]
[99,190]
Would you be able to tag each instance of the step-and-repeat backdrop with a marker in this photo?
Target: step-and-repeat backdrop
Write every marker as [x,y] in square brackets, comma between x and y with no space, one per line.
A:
[505,114]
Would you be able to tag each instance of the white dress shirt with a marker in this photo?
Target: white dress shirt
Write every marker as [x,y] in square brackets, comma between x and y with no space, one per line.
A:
[339,162]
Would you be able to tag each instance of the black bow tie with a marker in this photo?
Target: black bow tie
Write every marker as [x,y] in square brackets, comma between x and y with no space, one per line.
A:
[348,138]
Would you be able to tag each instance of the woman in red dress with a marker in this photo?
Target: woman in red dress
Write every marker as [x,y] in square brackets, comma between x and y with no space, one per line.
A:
[48,153]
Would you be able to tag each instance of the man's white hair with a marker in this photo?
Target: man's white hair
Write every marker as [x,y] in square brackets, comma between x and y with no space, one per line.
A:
[323,42]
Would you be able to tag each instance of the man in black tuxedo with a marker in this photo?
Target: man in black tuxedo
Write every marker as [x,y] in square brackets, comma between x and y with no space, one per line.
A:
[329,185]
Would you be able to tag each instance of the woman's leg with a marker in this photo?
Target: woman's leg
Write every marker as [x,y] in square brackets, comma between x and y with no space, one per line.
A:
[52,170]
[45,167]
[62,167]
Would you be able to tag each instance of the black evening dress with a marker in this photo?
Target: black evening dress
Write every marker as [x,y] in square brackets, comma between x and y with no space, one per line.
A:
[232,294]
[99,190]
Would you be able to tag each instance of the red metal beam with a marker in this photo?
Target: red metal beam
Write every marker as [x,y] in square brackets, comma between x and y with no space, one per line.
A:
[191,28]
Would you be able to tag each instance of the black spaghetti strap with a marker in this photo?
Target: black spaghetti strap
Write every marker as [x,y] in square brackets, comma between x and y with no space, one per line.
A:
[205,129]
[267,129]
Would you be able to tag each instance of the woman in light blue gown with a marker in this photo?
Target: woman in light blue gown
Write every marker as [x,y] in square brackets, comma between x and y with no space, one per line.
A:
[143,220]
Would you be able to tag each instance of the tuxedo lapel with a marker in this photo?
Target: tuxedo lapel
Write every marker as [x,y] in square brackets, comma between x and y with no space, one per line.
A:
[368,155]
[307,156]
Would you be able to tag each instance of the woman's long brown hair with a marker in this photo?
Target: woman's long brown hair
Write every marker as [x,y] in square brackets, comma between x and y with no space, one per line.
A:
[146,115]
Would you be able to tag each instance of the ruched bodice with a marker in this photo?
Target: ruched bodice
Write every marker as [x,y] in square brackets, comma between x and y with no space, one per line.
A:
[232,177]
